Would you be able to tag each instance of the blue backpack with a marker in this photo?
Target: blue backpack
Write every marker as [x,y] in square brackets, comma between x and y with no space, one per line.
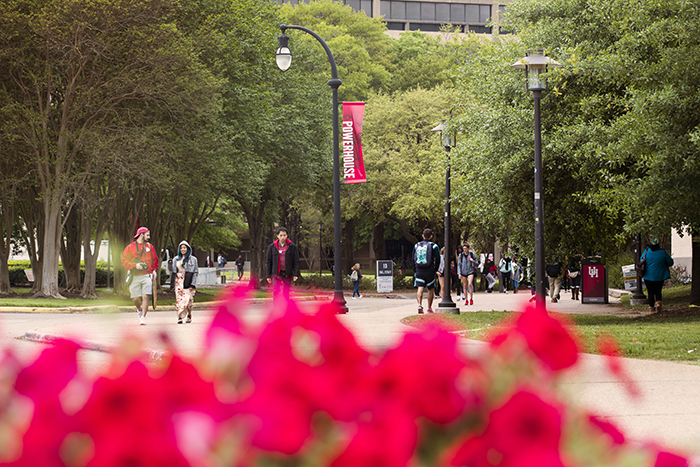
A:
[423,254]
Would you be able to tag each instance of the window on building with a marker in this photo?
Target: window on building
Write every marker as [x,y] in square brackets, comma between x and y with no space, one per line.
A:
[385,9]
[484,13]
[442,12]
[393,26]
[361,5]
[428,27]
[456,13]
[413,10]
[398,10]
[471,13]
[427,11]
[480,29]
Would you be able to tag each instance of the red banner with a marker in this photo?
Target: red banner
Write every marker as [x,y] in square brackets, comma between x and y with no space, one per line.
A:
[353,165]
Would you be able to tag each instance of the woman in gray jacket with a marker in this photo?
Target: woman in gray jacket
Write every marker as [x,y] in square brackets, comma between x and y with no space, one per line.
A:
[183,279]
[466,270]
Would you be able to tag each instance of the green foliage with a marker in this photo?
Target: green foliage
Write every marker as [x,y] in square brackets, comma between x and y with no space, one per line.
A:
[358,43]
[404,159]
[18,278]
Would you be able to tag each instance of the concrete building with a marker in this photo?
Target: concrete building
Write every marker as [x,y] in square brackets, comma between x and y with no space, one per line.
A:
[429,15]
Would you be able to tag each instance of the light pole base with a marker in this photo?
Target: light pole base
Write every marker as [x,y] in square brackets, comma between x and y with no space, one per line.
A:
[638,301]
[448,308]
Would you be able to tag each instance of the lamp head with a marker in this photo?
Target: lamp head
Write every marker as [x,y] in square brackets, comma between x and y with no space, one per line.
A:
[535,64]
[445,135]
[283,55]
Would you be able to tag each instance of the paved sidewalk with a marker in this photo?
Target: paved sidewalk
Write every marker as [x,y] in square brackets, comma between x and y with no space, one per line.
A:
[669,410]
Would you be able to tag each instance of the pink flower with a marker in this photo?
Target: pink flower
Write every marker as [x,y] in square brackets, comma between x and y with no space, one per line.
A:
[546,336]
[421,373]
[608,429]
[388,439]
[525,431]
[130,421]
[667,459]
[608,347]
[42,382]
[303,364]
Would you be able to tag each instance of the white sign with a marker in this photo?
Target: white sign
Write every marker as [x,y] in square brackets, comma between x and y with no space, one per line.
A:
[629,276]
[385,276]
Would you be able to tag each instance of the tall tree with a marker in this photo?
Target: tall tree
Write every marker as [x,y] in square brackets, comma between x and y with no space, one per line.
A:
[73,67]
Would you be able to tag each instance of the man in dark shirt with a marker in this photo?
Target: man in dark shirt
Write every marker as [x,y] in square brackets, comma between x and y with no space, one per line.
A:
[282,259]
[239,265]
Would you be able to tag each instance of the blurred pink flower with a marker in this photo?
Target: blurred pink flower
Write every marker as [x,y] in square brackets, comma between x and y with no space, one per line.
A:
[608,429]
[42,382]
[546,336]
[525,431]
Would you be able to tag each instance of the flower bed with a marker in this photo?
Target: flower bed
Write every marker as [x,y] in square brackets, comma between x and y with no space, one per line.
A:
[300,391]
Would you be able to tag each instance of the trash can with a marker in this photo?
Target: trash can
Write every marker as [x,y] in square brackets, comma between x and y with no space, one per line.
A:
[594,283]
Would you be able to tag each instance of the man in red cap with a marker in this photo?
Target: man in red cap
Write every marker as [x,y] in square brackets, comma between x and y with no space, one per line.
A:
[141,260]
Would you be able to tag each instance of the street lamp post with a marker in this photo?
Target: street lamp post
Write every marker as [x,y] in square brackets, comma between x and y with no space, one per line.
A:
[320,249]
[638,298]
[535,64]
[284,61]
[446,305]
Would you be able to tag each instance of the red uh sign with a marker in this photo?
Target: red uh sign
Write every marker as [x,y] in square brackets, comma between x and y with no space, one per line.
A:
[594,288]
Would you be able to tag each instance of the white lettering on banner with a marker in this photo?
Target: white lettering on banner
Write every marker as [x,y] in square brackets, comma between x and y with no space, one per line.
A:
[593,272]
[348,150]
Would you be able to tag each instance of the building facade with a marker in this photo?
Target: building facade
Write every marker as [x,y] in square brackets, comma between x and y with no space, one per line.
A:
[430,15]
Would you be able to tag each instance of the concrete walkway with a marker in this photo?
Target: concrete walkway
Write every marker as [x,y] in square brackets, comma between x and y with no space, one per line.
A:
[667,412]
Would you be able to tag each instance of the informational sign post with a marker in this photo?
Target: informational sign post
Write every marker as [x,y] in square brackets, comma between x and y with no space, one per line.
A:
[594,287]
[629,276]
[385,276]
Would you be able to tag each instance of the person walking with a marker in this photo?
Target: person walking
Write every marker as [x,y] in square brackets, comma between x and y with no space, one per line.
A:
[141,261]
[455,278]
[239,265]
[356,277]
[505,267]
[426,258]
[282,263]
[554,274]
[515,274]
[466,269]
[183,279]
[655,273]
[573,272]
[490,272]
[221,261]
[441,275]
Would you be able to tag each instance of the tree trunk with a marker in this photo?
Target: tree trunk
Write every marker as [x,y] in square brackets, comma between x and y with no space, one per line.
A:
[378,242]
[7,219]
[70,251]
[695,270]
[348,246]
[52,237]
[33,235]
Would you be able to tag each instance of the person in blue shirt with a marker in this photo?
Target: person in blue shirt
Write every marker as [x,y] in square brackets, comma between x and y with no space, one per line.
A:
[656,272]
[426,260]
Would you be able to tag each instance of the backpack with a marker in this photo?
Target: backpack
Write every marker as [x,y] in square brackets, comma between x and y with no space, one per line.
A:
[423,254]
[353,276]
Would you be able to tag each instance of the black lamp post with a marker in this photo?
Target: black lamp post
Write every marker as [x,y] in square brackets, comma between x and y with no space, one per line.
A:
[535,64]
[446,305]
[284,61]
[638,298]
[320,249]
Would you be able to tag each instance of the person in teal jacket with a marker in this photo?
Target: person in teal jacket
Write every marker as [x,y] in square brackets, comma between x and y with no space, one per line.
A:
[658,262]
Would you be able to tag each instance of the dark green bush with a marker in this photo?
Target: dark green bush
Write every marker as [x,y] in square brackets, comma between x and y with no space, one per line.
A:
[19,279]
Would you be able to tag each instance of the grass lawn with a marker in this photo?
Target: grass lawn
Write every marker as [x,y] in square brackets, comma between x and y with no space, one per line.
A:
[673,335]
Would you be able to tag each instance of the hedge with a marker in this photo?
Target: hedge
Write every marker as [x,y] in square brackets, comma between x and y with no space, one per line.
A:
[19,279]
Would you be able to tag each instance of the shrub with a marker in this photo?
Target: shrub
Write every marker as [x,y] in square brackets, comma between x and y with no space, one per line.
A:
[301,391]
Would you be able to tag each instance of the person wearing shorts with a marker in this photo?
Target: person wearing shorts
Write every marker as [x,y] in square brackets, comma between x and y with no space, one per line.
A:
[140,258]
[425,269]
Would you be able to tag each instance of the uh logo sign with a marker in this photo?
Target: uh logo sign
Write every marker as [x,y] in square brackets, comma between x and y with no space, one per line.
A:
[594,288]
